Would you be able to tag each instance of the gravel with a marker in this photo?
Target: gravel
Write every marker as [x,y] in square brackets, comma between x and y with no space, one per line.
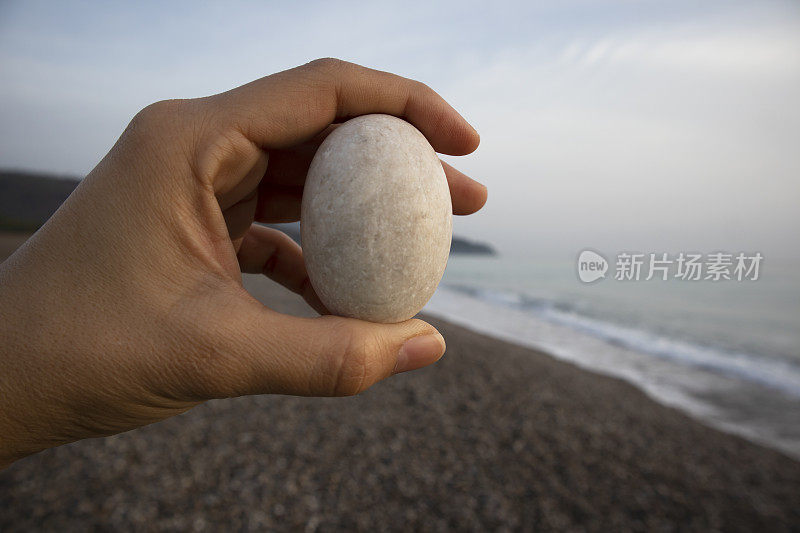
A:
[493,437]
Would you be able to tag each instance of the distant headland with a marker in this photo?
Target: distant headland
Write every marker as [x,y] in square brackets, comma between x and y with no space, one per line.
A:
[28,199]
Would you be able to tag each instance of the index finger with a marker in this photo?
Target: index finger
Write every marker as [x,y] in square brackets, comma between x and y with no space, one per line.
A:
[294,105]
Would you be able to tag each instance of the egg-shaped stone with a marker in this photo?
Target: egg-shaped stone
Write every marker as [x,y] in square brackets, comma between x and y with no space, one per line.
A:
[376,220]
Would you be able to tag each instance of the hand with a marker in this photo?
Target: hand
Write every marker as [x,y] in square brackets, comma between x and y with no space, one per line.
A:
[127,307]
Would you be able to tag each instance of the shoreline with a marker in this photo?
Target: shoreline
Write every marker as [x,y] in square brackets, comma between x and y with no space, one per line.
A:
[748,409]
[494,435]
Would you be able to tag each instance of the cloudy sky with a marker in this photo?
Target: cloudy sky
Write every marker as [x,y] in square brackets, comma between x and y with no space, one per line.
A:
[651,126]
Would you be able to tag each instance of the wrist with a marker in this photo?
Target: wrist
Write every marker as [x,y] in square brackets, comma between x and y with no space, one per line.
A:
[25,385]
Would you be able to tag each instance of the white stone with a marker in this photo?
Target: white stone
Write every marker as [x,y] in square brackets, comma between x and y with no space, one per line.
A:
[376,220]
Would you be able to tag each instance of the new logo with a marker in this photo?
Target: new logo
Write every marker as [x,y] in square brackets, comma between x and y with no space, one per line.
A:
[591,266]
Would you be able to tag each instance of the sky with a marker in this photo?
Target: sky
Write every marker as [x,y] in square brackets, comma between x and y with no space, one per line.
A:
[626,125]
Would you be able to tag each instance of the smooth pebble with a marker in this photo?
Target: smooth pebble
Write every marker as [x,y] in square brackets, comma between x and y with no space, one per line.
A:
[376,220]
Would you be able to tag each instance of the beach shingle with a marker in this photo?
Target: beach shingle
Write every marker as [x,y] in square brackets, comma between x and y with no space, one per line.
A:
[493,437]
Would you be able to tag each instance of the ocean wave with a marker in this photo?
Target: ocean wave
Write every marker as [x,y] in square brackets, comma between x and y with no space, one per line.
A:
[766,371]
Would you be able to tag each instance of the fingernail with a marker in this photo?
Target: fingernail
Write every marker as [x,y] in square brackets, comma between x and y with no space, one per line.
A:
[420,351]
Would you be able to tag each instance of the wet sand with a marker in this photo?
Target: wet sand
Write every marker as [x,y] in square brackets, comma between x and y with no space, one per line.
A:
[493,437]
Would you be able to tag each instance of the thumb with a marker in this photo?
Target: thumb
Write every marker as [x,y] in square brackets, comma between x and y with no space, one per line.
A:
[256,350]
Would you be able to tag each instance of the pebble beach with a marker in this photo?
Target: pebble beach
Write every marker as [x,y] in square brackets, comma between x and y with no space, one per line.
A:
[493,437]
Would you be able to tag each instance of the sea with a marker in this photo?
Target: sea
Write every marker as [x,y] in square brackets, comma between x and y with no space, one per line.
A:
[726,352]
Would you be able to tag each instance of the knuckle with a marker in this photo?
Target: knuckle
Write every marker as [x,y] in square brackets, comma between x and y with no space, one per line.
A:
[355,363]
[218,153]
[428,94]
[328,65]
[160,120]
[158,113]
[422,87]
